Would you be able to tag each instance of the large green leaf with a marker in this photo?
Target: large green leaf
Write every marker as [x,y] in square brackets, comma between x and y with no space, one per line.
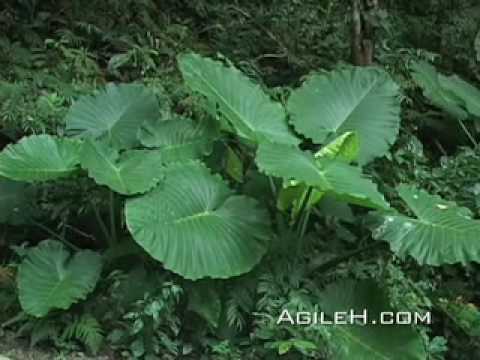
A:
[325,175]
[467,94]
[465,315]
[371,341]
[362,100]
[195,225]
[179,139]
[40,158]
[436,88]
[441,233]
[240,102]
[132,172]
[345,148]
[116,113]
[15,202]
[50,278]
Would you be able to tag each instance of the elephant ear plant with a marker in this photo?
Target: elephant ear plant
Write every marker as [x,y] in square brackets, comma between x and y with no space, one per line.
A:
[196,223]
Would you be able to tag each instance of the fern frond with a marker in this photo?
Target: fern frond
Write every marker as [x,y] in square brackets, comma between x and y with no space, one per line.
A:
[240,302]
[87,330]
[235,318]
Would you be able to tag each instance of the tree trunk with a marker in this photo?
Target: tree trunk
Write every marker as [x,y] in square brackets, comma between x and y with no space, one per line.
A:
[363,31]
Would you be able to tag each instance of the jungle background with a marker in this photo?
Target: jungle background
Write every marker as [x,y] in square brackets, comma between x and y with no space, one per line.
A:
[52,52]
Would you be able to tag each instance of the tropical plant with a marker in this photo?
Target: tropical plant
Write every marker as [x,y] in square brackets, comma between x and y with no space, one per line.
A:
[187,216]
[451,93]
[40,158]
[364,100]
[49,279]
[368,341]
[441,233]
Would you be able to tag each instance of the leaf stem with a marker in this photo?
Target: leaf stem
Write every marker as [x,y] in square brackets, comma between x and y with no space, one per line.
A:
[301,232]
[305,201]
[101,223]
[55,235]
[272,187]
[303,225]
[301,221]
[113,225]
[467,132]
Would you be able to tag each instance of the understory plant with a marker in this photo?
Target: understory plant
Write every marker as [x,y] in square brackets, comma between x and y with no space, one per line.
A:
[185,190]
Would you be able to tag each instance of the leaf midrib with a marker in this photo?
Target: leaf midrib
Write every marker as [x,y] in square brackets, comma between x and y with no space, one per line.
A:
[362,343]
[355,106]
[224,101]
[115,168]
[434,225]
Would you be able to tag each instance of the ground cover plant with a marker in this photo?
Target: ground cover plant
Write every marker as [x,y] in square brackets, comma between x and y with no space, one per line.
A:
[170,191]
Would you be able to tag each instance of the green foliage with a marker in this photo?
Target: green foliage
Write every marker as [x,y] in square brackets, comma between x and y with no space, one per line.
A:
[466,316]
[87,330]
[128,136]
[152,328]
[15,202]
[426,76]
[185,217]
[179,139]
[325,175]
[344,148]
[455,178]
[363,100]
[242,105]
[452,94]
[40,158]
[441,233]
[197,227]
[132,172]
[284,284]
[50,278]
[115,114]
[368,341]
[205,301]
[65,331]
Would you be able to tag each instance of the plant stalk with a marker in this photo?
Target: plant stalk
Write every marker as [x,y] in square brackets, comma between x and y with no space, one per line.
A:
[102,225]
[113,225]
[305,201]
[469,135]
[302,220]
[55,235]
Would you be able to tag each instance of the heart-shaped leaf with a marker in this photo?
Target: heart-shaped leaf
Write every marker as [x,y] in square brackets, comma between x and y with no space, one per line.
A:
[179,139]
[360,100]
[50,278]
[370,341]
[325,175]
[441,233]
[195,225]
[115,113]
[242,104]
[40,158]
[132,172]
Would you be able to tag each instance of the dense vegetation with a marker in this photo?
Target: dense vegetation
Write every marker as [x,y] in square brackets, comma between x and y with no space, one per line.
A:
[176,174]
